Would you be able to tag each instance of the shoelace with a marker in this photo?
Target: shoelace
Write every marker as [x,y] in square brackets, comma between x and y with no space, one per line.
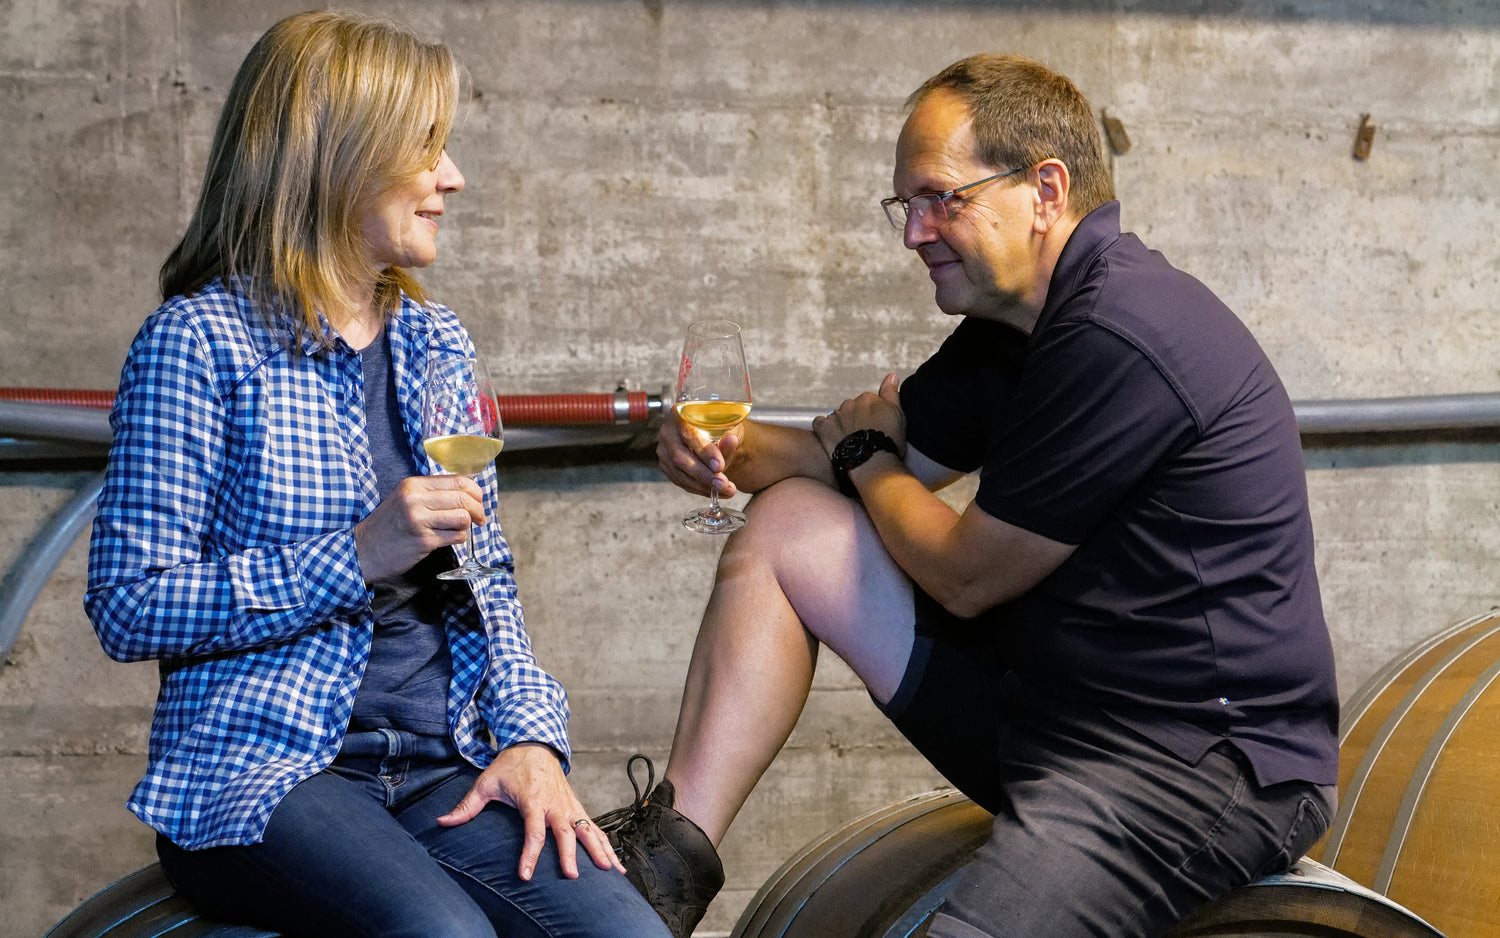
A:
[611,821]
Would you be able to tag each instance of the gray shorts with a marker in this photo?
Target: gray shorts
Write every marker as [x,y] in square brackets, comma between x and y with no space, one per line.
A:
[1098,830]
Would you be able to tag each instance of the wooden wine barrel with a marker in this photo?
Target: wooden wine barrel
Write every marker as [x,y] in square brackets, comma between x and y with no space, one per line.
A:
[144,905]
[884,874]
[1419,781]
[880,874]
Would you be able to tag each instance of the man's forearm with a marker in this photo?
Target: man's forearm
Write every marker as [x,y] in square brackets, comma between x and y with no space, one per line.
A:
[769,453]
[968,562]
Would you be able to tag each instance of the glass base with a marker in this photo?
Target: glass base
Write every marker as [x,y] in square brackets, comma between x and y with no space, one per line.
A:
[714,520]
[470,570]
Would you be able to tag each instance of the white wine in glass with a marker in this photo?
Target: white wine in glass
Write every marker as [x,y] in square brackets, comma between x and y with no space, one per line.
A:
[713,396]
[462,433]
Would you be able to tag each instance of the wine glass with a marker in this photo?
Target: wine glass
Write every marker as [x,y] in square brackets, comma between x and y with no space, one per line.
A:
[713,396]
[462,433]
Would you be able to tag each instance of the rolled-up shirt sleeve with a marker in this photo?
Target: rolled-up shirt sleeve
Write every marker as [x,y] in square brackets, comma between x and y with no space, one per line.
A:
[518,701]
[157,585]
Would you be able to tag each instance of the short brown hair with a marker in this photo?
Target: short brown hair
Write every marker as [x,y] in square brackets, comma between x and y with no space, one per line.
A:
[327,111]
[1024,113]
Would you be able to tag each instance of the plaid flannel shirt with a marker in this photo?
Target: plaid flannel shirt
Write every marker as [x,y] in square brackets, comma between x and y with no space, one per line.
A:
[224,548]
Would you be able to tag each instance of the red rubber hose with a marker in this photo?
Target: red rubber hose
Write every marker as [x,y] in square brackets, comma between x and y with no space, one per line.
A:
[515,409]
[97,399]
[551,409]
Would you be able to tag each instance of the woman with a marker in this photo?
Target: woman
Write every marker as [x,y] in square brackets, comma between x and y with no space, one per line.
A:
[342,745]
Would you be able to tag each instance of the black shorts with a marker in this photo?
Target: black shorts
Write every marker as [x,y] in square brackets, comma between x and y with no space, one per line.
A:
[949,704]
[959,704]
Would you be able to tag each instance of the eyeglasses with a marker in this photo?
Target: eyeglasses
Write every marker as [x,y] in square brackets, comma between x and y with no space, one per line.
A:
[931,209]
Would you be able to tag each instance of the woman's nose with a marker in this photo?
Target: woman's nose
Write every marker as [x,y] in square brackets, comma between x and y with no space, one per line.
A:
[449,179]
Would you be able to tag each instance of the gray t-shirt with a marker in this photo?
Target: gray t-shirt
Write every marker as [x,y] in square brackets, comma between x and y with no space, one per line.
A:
[405,686]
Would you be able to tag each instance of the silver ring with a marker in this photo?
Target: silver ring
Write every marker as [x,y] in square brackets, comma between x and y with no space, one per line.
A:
[581,822]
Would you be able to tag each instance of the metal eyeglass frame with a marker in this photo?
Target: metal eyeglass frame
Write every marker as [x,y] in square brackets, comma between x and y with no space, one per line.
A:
[937,200]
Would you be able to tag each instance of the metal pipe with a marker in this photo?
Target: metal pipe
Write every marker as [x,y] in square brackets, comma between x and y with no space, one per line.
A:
[36,565]
[1372,415]
[54,422]
[86,425]
[620,406]
[1399,414]
[800,417]
[16,451]
[73,397]
[32,430]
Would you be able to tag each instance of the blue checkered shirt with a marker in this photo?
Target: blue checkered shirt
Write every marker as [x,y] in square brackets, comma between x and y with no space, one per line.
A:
[224,549]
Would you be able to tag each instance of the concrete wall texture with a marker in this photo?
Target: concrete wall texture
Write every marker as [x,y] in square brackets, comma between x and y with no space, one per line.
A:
[635,165]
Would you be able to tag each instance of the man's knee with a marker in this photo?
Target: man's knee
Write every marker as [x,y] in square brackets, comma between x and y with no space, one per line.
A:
[825,557]
[791,500]
[804,529]
[794,522]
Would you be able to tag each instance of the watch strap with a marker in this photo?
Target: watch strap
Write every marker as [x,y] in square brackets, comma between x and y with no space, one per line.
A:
[854,451]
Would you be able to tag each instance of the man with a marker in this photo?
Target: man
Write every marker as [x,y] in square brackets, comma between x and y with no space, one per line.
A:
[1118,647]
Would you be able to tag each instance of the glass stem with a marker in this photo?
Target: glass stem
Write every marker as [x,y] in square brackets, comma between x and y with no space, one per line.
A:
[472,557]
[713,500]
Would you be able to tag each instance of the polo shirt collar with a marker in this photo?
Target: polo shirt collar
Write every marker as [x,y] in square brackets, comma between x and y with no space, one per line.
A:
[1095,233]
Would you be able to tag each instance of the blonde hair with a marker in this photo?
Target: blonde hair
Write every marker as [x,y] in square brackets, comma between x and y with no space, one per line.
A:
[327,111]
[1024,113]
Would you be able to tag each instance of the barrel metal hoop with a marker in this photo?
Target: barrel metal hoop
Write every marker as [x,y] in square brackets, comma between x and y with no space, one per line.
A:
[1357,707]
[924,908]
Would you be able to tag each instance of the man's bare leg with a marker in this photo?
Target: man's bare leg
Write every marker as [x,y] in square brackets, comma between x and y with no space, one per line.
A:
[808,569]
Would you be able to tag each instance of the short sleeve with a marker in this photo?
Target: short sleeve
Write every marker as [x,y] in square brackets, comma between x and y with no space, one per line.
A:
[953,401]
[1091,418]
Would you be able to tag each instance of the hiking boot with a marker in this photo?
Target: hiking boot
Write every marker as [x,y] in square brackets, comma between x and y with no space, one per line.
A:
[666,856]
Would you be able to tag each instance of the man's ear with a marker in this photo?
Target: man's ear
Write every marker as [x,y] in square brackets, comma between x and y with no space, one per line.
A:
[1053,186]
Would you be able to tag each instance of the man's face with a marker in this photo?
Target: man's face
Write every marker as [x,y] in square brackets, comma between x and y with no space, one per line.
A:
[983,257]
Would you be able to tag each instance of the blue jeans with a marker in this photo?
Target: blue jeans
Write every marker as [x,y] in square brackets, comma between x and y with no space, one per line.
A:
[356,850]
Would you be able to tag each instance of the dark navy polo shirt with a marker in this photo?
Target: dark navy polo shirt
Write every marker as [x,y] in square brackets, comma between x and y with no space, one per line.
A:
[1142,422]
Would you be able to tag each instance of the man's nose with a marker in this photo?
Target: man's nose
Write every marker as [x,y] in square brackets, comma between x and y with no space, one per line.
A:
[916,234]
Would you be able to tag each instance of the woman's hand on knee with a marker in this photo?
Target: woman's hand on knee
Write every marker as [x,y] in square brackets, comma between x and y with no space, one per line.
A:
[529,778]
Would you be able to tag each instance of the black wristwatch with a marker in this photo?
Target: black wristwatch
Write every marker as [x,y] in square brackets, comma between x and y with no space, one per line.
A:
[855,450]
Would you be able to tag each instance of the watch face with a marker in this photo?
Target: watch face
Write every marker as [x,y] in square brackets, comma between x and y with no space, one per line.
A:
[854,451]
[846,447]
[856,448]
[850,445]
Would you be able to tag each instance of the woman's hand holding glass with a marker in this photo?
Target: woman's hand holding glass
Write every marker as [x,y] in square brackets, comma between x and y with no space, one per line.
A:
[422,514]
[462,432]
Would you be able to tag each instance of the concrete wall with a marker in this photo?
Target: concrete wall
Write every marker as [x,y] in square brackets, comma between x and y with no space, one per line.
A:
[634,166]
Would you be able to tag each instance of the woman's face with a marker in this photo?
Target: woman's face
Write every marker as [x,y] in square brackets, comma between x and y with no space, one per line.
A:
[400,225]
